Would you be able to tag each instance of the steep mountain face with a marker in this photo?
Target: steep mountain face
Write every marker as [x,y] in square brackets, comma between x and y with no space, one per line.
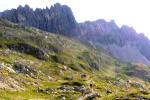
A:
[122,43]
[95,30]
[57,19]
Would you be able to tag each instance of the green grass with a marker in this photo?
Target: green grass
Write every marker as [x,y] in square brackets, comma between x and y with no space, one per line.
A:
[77,58]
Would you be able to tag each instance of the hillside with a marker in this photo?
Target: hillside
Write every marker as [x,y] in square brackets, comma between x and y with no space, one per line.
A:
[39,65]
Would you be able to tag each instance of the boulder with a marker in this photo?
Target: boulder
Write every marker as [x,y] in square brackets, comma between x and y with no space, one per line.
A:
[93,96]
[28,70]
[108,91]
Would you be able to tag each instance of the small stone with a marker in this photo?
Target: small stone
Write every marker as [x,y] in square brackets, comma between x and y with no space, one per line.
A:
[91,97]
[65,67]
[83,76]
[108,91]
[10,70]
[50,78]
[63,98]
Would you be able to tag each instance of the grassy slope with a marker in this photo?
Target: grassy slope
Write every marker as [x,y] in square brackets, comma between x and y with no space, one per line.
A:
[102,70]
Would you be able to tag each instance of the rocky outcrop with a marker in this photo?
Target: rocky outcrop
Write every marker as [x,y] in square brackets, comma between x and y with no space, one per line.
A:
[57,19]
[28,49]
[20,68]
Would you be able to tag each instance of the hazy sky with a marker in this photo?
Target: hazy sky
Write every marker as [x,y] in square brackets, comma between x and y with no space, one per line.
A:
[135,13]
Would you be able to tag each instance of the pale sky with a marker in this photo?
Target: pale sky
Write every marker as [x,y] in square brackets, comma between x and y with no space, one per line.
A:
[135,13]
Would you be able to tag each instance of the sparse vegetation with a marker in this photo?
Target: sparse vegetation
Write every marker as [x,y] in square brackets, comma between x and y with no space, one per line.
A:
[76,71]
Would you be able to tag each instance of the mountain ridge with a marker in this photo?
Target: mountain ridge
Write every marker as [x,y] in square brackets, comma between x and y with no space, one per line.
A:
[59,19]
[56,19]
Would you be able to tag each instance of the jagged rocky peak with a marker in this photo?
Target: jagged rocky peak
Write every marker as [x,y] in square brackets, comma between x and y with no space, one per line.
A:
[57,19]
[113,24]
[142,35]
[95,30]
[128,29]
[128,33]
[64,19]
[122,43]
[27,7]
[100,26]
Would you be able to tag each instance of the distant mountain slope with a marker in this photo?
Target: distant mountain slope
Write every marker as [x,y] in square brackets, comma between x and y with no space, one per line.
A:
[122,43]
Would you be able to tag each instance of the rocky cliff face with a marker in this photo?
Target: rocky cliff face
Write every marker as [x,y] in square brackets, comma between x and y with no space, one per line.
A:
[57,19]
[97,29]
[107,32]
[123,43]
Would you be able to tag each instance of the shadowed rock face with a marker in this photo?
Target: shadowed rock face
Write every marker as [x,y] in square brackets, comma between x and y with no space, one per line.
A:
[25,48]
[58,19]
[96,29]
[107,32]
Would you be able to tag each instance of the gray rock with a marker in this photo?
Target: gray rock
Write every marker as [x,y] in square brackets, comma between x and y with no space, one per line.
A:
[108,91]
[29,71]
[93,96]
[122,43]
[28,49]
[57,19]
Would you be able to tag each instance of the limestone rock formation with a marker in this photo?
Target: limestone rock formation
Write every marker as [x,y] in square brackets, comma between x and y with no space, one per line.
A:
[57,19]
[123,43]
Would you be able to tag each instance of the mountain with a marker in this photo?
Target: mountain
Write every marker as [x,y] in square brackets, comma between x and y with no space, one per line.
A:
[35,64]
[124,43]
[74,63]
[57,19]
